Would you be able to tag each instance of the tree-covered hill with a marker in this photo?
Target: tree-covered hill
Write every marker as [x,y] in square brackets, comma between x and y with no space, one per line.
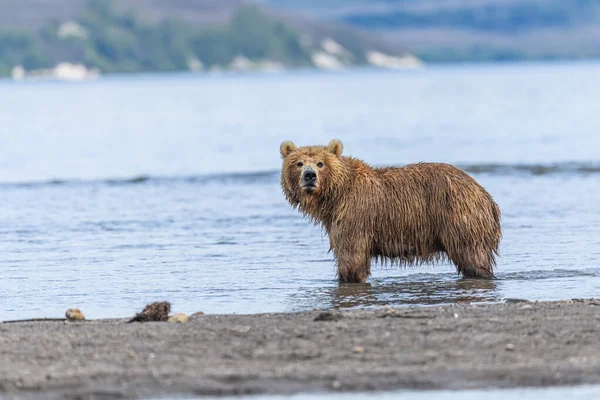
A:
[152,35]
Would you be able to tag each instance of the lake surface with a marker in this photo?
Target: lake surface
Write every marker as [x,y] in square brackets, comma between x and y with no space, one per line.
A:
[127,190]
[585,392]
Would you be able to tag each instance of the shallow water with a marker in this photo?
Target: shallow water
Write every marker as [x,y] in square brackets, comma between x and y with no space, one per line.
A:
[553,393]
[133,189]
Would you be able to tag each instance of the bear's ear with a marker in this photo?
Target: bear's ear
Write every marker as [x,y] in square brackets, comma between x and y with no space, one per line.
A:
[336,147]
[287,148]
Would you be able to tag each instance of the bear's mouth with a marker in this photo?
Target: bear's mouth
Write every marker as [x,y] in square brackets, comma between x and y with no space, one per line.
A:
[309,187]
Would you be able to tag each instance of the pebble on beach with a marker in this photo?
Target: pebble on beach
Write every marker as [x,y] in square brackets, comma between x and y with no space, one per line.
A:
[175,318]
[74,314]
[196,316]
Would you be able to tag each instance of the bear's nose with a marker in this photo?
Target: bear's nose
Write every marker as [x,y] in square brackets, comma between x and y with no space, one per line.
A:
[310,175]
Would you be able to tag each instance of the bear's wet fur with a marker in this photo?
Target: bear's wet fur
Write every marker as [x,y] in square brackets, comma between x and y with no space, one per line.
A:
[418,213]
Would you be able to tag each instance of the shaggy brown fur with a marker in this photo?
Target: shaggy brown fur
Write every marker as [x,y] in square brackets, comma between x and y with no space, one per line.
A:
[158,311]
[419,213]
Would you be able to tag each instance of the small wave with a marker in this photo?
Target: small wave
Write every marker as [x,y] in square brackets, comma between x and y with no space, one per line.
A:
[575,168]
[130,181]
[225,178]
[239,177]
[269,176]
[550,274]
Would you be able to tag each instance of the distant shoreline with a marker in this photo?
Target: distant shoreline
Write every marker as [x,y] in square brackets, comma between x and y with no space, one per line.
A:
[517,344]
[312,70]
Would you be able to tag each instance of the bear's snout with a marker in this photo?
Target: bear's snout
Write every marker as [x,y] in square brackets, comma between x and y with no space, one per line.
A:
[310,175]
[309,178]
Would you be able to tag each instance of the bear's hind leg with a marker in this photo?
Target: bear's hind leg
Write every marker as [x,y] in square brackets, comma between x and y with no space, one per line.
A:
[353,262]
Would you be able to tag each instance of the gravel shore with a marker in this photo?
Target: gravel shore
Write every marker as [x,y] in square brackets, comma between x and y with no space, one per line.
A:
[460,346]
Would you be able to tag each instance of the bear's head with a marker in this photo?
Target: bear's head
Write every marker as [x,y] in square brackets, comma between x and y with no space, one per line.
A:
[310,171]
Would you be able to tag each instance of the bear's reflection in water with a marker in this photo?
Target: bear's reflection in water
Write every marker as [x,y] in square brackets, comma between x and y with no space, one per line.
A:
[404,292]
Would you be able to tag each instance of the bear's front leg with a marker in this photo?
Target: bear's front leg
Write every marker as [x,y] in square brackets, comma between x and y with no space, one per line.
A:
[353,261]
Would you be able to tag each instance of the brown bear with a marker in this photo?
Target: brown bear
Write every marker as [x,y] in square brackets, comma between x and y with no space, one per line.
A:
[418,213]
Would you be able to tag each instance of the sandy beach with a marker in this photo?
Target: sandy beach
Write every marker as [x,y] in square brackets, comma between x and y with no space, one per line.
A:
[460,346]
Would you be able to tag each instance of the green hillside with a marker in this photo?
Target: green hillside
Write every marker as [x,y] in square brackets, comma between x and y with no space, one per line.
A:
[120,42]
[138,36]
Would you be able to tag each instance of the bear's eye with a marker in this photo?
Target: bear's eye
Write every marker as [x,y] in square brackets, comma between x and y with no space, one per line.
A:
[299,163]
[320,164]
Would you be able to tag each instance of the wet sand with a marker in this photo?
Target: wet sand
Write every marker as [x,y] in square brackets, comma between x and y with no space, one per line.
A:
[459,346]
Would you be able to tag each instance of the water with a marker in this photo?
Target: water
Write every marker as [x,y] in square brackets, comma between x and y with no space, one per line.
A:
[584,392]
[127,190]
